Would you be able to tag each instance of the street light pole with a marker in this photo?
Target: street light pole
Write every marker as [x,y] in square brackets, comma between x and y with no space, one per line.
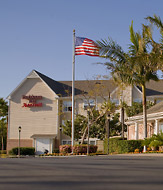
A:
[88,136]
[19,128]
[60,134]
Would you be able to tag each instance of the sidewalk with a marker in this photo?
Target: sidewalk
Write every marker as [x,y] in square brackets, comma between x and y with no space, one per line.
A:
[142,154]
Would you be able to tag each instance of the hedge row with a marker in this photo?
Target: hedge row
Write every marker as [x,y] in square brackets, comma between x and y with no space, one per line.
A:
[117,145]
[77,149]
[23,151]
[3,151]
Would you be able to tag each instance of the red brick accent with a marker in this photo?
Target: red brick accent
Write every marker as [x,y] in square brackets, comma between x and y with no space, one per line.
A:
[12,143]
[141,131]
[131,131]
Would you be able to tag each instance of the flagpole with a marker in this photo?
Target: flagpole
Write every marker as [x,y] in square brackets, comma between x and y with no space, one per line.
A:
[73,89]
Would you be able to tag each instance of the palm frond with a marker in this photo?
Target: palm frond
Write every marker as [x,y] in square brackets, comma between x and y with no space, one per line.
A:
[134,38]
[110,49]
[156,20]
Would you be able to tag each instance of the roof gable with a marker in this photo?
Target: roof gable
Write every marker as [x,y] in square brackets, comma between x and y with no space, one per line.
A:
[30,75]
[156,108]
[59,88]
[64,88]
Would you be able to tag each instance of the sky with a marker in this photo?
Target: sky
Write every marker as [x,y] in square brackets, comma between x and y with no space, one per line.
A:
[38,34]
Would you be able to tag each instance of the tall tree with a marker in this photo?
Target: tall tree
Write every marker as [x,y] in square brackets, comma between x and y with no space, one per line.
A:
[80,124]
[158,46]
[137,66]
[97,129]
[3,132]
[96,116]
[3,108]
[144,63]
[3,123]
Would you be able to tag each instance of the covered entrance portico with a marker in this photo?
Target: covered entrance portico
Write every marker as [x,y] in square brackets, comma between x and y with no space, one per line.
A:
[43,143]
[136,128]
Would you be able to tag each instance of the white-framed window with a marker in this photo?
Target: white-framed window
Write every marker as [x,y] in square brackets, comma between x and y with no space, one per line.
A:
[66,142]
[89,103]
[63,122]
[138,100]
[91,142]
[161,127]
[67,106]
[116,101]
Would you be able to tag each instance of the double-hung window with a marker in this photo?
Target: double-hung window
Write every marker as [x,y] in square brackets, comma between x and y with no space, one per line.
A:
[116,101]
[89,103]
[138,100]
[67,106]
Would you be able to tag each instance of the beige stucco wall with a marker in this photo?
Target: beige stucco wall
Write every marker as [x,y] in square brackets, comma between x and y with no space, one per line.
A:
[136,94]
[127,95]
[79,109]
[34,120]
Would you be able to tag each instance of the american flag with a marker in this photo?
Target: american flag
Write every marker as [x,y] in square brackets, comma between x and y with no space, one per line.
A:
[85,46]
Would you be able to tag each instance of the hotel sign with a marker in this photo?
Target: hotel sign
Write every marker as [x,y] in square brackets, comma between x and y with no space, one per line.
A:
[32,101]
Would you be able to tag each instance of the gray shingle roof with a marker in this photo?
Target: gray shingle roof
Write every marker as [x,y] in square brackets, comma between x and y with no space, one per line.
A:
[101,87]
[64,88]
[153,88]
[156,108]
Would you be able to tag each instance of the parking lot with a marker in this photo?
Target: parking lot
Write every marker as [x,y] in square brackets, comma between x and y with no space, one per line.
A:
[79,172]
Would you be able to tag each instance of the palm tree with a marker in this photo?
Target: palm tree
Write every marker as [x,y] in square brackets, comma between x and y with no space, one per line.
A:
[137,66]
[3,108]
[3,121]
[3,132]
[144,64]
[156,20]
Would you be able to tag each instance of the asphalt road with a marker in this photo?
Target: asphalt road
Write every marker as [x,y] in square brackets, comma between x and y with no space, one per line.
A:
[76,173]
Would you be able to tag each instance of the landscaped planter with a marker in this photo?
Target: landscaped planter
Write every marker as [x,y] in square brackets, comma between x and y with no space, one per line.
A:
[160,148]
[3,155]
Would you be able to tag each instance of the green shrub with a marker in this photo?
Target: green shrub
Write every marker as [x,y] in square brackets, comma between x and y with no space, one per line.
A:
[155,144]
[23,151]
[56,150]
[154,141]
[92,148]
[3,152]
[117,145]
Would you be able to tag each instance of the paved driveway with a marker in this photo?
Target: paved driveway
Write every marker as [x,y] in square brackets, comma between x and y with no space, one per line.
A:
[76,173]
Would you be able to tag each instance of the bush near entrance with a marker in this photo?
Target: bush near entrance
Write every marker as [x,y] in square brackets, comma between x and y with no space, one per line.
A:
[3,152]
[23,151]
[78,149]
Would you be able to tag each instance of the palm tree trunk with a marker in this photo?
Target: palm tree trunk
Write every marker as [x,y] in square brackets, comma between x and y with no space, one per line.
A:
[106,134]
[107,122]
[122,121]
[2,143]
[144,114]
